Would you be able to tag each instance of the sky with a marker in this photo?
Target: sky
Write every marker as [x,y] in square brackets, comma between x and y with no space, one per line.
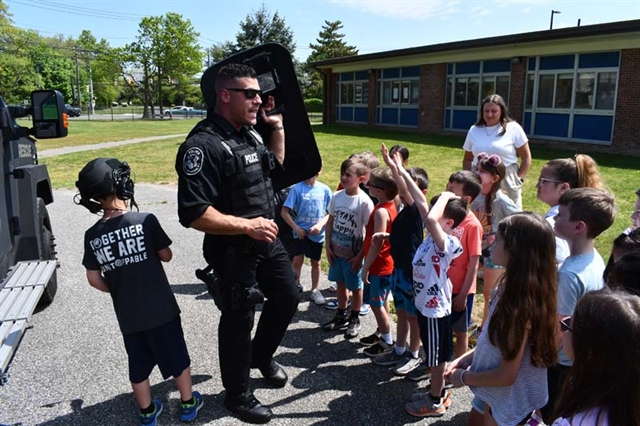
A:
[370,25]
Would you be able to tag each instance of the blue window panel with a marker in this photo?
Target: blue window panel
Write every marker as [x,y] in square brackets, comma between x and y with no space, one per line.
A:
[361,114]
[362,75]
[592,127]
[346,76]
[411,72]
[468,68]
[378,115]
[389,116]
[463,120]
[447,118]
[409,117]
[346,114]
[599,60]
[449,69]
[552,125]
[532,64]
[391,73]
[559,62]
[527,123]
[379,74]
[501,65]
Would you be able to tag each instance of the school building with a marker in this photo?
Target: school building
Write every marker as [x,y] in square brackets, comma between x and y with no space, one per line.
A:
[576,88]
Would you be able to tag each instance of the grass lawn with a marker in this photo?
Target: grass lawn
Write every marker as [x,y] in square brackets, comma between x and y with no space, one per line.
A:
[438,155]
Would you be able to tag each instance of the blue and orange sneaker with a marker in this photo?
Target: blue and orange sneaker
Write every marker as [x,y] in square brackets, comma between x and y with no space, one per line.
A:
[189,412]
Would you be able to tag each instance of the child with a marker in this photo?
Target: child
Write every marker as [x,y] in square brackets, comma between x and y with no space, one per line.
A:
[123,254]
[403,151]
[560,175]
[378,264]
[349,211]
[507,369]
[309,200]
[583,214]
[491,207]
[635,216]
[405,237]
[625,272]
[603,336]
[626,242]
[432,291]
[464,269]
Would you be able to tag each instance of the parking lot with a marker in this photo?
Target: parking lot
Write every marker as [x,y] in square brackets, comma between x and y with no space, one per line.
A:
[71,367]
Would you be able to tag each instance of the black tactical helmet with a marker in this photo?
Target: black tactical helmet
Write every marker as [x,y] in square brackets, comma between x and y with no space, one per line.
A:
[104,176]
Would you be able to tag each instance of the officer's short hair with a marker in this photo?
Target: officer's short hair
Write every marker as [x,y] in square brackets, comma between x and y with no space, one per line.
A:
[233,72]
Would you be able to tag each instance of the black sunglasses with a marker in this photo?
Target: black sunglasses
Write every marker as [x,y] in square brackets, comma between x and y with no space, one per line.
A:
[565,324]
[249,93]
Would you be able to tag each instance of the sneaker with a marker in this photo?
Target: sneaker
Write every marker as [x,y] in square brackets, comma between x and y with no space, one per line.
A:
[353,329]
[150,419]
[421,372]
[446,401]
[371,339]
[333,304]
[425,408]
[473,337]
[317,297]
[337,323]
[365,309]
[189,412]
[379,348]
[388,358]
[407,365]
[333,288]
[419,396]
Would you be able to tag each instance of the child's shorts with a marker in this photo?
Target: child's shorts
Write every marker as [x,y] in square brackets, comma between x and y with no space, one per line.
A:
[477,404]
[437,339]
[460,320]
[340,271]
[402,291]
[379,289]
[308,248]
[163,346]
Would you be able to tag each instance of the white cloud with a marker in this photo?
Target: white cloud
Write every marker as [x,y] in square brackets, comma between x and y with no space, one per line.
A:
[416,9]
[526,10]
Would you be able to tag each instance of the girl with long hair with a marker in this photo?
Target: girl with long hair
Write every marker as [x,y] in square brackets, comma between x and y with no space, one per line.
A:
[557,177]
[507,371]
[603,338]
[490,207]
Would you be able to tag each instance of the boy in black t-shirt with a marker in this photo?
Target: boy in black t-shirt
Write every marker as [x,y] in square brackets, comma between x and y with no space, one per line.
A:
[123,252]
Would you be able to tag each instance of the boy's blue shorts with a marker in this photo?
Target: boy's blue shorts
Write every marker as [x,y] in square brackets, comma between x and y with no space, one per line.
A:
[163,346]
[340,271]
[379,289]
[402,291]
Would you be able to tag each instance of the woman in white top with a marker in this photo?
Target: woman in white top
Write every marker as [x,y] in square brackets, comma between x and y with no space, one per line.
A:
[497,133]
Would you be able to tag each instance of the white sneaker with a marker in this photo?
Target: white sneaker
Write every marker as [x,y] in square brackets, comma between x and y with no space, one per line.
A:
[317,297]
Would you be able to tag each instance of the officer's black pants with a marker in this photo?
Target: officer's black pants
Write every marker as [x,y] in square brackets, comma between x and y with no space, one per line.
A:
[270,266]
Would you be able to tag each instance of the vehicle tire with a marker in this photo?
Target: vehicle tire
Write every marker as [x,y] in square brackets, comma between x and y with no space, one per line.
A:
[47,252]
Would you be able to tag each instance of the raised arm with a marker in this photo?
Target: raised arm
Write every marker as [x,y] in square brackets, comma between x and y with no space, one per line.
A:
[432,221]
[276,139]
[403,191]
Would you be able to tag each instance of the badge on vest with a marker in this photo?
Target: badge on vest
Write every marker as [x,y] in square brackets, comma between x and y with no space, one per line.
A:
[250,159]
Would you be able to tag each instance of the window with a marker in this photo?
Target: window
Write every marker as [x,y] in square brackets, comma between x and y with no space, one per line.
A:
[399,90]
[354,93]
[606,91]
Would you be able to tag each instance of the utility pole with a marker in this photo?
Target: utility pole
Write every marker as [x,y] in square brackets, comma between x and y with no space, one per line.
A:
[553,12]
[78,98]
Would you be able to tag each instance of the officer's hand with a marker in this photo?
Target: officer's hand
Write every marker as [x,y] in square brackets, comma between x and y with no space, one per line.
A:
[262,229]
[274,120]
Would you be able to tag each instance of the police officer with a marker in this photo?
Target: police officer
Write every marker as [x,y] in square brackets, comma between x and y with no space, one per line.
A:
[224,190]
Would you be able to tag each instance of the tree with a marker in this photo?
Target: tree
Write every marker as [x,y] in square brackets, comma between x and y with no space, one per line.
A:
[166,50]
[262,27]
[330,44]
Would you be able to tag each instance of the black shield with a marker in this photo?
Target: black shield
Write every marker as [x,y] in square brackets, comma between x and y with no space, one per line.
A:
[277,78]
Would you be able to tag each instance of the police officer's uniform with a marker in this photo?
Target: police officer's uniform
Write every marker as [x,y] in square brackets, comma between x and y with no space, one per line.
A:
[230,171]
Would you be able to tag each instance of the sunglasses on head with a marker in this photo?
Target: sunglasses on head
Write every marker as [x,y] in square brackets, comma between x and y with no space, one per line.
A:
[565,324]
[493,159]
[248,93]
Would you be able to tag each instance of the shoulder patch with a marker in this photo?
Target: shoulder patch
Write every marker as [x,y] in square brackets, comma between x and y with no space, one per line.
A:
[192,161]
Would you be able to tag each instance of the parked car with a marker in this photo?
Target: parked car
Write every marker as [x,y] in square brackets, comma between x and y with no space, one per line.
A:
[72,111]
[185,111]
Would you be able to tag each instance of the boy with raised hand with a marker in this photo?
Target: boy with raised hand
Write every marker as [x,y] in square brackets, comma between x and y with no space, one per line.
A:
[432,291]
[378,264]
[583,214]
[309,200]
[349,212]
[405,237]
[123,255]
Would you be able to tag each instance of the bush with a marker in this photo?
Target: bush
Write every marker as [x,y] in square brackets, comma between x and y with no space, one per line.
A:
[313,105]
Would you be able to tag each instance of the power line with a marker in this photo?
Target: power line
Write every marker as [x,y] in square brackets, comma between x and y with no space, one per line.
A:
[87,12]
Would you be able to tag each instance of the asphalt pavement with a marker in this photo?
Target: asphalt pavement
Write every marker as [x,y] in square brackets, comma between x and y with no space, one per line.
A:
[71,368]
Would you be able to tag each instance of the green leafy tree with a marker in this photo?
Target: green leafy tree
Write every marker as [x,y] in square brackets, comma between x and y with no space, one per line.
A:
[330,44]
[263,27]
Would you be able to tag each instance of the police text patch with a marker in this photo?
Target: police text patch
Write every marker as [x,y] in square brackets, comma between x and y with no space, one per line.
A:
[192,163]
[250,159]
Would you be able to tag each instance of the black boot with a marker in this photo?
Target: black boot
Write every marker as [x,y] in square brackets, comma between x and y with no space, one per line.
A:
[248,408]
[273,373]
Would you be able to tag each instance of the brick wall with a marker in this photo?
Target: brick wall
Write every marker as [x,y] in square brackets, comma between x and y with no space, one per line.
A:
[432,88]
[330,97]
[516,90]
[626,131]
